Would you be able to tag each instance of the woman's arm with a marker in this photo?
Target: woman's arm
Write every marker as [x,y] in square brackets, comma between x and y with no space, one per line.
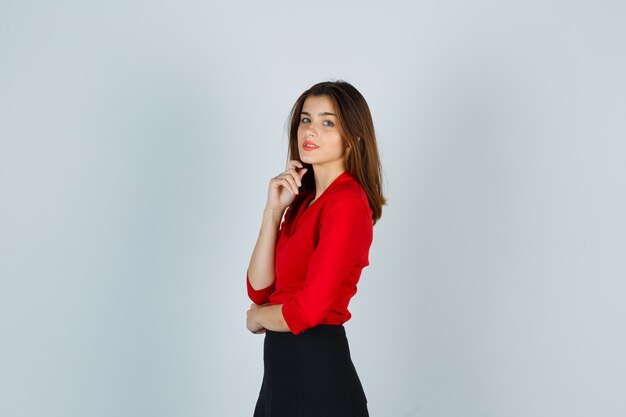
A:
[342,251]
[344,238]
[261,267]
[282,191]
[266,317]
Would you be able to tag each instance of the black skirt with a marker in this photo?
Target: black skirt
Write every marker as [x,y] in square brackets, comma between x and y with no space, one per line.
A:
[310,375]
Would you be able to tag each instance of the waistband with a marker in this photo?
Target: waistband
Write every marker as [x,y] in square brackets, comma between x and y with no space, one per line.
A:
[320,329]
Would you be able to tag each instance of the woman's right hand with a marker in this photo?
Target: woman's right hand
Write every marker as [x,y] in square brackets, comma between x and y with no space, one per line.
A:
[284,187]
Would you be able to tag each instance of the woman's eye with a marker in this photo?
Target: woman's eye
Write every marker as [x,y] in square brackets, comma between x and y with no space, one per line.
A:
[307,120]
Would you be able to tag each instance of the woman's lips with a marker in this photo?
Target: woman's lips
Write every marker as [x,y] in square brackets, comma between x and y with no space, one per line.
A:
[309,146]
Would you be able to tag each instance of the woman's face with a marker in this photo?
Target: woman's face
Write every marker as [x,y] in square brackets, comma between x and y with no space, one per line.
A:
[319,140]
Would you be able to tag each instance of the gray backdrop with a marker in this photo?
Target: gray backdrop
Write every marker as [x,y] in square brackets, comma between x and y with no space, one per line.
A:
[137,140]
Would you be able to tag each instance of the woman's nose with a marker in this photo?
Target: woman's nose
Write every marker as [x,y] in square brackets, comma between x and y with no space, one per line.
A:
[310,132]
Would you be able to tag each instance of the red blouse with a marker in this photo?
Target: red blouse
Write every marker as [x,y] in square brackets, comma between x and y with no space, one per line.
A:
[320,252]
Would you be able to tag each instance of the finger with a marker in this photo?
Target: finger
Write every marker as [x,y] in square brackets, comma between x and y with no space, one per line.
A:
[294,163]
[292,183]
[294,174]
[301,173]
[283,180]
[280,181]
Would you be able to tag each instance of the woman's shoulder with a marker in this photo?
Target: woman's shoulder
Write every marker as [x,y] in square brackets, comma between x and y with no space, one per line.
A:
[349,192]
[349,187]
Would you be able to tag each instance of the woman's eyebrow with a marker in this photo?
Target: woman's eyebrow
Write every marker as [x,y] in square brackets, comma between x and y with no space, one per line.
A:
[324,113]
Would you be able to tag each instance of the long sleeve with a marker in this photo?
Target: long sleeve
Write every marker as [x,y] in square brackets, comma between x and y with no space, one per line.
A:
[261,296]
[345,235]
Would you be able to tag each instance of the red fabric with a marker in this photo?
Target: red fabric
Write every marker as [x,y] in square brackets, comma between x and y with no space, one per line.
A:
[320,253]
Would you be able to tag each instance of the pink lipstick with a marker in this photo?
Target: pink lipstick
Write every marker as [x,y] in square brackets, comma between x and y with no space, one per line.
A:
[309,146]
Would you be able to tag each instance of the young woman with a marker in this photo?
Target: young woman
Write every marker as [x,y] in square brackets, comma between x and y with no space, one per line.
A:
[314,241]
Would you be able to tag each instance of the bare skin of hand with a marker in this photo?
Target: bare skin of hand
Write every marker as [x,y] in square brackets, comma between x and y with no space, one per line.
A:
[251,322]
[284,187]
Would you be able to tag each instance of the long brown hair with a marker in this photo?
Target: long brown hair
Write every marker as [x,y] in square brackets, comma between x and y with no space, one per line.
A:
[357,129]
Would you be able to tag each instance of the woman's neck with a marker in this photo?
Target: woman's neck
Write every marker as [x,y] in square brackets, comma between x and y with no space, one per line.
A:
[323,178]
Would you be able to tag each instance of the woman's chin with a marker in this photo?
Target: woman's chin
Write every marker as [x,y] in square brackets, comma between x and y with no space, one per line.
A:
[307,159]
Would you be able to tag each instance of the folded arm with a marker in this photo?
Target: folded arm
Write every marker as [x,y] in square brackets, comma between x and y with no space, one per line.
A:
[268,317]
[344,239]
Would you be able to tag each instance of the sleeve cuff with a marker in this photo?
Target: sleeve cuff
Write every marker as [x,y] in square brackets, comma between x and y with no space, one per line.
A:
[295,326]
[261,296]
